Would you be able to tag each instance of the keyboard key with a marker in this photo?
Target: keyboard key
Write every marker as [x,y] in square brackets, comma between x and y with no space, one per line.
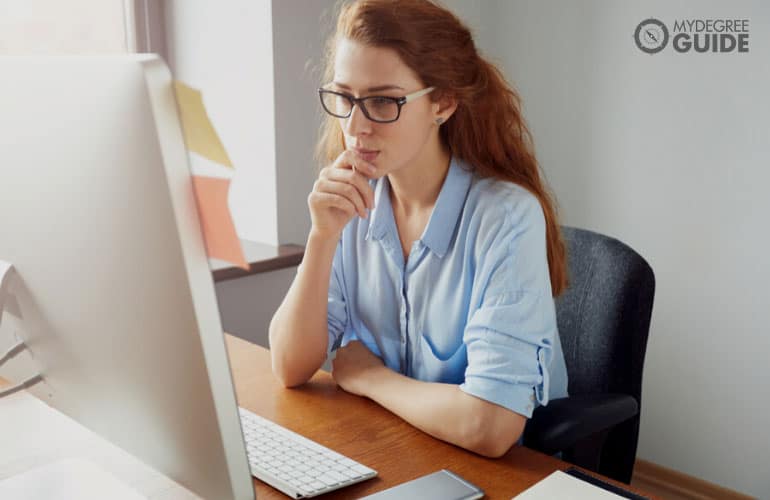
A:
[328,481]
[295,474]
[351,474]
[336,476]
[305,489]
[339,467]
[347,462]
[332,454]
[362,469]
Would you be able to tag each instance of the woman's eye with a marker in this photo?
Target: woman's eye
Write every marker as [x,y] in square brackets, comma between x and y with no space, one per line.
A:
[380,101]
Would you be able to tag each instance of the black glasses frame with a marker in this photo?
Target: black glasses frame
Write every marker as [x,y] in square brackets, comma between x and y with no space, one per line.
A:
[361,102]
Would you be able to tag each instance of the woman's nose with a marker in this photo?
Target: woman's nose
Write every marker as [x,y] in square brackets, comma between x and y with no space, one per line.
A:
[357,122]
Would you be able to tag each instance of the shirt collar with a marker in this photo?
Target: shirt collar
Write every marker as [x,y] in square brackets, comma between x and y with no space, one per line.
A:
[446,212]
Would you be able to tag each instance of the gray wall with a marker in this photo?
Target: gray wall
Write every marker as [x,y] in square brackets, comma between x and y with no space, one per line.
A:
[297,48]
[669,153]
[247,304]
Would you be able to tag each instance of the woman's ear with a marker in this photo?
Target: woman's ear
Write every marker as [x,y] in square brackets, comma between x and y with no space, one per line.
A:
[444,108]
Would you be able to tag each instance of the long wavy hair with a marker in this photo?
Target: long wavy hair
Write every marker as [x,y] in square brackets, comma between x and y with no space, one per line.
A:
[487,130]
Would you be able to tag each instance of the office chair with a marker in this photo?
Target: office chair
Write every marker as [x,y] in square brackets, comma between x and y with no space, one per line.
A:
[604,320]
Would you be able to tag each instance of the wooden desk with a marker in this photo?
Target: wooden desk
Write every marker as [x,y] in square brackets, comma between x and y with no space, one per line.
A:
[366,432]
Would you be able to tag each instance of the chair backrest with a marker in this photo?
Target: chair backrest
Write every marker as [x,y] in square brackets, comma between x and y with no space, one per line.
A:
[604,315]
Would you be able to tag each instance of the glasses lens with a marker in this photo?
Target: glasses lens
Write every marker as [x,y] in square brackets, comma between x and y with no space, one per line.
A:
[335,104]
[381,109]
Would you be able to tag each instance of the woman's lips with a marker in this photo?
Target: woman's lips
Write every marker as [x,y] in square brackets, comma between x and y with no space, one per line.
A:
[368,156]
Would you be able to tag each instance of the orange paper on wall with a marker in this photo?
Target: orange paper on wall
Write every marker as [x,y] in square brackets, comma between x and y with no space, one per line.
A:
[222,241]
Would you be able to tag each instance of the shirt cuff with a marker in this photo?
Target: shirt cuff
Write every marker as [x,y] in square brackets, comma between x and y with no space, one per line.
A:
[517,398]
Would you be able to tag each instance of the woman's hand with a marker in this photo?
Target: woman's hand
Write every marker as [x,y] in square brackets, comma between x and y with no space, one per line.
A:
[354,366]
[341,191]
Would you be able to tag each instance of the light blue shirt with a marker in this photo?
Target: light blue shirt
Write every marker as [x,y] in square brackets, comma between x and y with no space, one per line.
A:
[472,305]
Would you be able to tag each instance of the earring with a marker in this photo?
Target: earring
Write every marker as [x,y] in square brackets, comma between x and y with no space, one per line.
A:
[439,121]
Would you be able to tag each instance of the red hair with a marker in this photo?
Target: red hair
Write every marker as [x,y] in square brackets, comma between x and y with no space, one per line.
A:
[487,130]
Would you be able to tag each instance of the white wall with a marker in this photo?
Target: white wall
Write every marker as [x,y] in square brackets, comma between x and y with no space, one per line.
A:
[669,153]
[258,64]
[55,27]
[225,49]
[270,49]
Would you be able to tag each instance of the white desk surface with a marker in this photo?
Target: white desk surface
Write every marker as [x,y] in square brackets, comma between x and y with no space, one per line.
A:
[33,435]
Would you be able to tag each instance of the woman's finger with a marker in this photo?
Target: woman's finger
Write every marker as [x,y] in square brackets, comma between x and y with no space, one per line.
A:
[336,201]
[345,189]
[350,159]
[359,181]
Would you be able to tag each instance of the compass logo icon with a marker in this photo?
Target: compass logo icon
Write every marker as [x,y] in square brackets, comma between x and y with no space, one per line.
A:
[651,36]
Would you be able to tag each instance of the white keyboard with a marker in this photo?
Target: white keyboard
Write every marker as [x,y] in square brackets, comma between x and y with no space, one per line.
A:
[297,466]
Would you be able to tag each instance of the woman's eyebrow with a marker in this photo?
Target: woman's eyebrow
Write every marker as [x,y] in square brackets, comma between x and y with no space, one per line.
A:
[378,88]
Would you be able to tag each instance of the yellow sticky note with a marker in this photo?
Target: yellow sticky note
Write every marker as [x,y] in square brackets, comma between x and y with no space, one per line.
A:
[199,133]
[222,241]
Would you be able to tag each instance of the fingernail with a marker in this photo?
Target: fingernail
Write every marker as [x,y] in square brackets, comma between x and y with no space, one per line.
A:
[371,168]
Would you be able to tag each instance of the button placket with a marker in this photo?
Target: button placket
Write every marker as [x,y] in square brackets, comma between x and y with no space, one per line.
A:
[393,251]
[403,326]
[408,271]
[405,323]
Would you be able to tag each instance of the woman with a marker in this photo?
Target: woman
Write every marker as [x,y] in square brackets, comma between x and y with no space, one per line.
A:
[435,251]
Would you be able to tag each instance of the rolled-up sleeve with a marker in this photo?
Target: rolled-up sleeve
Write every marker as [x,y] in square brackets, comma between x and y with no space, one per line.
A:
[336,310]
[510,336]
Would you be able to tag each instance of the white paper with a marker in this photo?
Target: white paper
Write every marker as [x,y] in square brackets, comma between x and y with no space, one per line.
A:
[5,277]
[6,269]
[68,479]
[565,487]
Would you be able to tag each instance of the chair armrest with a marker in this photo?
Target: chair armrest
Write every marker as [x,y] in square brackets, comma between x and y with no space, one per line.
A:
[565,421]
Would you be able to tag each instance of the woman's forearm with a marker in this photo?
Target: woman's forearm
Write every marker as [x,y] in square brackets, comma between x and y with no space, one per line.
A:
[446,412]
[298,330]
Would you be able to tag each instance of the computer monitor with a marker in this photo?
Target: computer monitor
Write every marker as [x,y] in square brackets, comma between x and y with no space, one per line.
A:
[114,295]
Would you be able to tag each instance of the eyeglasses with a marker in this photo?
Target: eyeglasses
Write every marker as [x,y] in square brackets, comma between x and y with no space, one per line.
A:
[380,109]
